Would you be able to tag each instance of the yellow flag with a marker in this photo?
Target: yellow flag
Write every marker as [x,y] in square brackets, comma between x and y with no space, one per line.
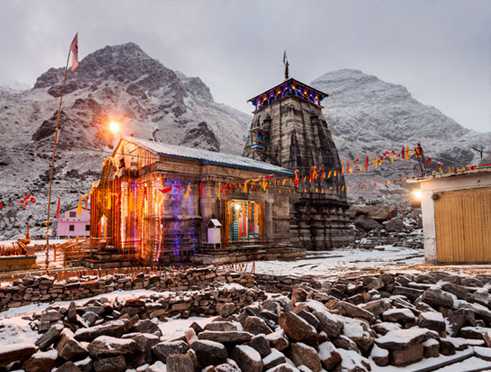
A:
[79,207]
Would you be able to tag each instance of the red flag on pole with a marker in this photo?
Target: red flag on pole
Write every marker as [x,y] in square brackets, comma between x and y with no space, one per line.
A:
[74,53]
[58,208]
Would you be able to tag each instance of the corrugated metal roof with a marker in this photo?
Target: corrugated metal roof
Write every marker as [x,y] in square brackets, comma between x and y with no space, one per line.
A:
[473,172]
[208,157]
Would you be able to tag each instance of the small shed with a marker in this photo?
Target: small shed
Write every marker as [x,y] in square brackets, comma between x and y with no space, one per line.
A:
[456,212]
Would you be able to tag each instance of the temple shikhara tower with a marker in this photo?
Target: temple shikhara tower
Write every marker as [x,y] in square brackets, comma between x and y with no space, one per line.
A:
[288,129]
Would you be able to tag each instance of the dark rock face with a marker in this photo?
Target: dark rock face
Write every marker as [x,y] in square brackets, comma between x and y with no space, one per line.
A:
[124,63]
[72,135]
[202,137]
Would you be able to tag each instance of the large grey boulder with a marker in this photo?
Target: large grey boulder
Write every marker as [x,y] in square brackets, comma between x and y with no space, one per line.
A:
[50,337]
[209,352]
[247,358]
[303,354]
[296,327]
[69,348]
[106,346]
[163,349]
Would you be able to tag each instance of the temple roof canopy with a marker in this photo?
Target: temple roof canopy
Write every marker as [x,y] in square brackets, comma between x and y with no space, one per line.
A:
[288,88]
[204,157]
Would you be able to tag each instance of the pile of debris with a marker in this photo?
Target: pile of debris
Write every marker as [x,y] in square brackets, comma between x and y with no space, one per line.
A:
[424,321]
[383,224]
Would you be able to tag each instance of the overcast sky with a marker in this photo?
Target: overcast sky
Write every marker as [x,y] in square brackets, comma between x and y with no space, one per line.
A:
[440,50]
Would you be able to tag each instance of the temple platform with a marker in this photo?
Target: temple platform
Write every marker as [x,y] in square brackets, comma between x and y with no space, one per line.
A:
[109,256]
[246,252]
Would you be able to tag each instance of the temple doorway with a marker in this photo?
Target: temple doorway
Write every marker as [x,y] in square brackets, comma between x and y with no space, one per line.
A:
[244,220]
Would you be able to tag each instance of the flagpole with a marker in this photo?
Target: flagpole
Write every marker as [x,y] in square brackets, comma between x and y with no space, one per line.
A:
[54,143]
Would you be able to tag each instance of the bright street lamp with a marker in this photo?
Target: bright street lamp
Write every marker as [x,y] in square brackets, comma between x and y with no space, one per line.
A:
[114,127]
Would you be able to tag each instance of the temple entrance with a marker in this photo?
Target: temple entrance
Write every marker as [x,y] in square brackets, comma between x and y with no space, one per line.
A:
[244,220]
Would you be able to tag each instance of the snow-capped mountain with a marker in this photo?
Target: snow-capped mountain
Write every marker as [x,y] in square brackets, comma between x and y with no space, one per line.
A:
[114,83]
[368,115]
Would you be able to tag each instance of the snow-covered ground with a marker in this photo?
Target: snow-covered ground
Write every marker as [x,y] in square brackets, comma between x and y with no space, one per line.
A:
[14,323]
[328,263]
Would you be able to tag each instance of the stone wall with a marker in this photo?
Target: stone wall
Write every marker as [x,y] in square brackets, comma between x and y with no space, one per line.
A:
[31,289]
[46,289]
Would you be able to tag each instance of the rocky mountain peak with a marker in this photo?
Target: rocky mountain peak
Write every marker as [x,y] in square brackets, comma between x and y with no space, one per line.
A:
[119,82]
[368,114]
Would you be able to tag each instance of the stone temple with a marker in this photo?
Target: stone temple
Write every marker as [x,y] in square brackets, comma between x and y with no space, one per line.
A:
[288,129]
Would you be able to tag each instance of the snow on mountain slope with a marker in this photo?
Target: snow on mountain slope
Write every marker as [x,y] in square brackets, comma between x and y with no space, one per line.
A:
[368,115]
[116,82]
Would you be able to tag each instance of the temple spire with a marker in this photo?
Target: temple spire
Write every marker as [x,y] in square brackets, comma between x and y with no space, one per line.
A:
[286,64]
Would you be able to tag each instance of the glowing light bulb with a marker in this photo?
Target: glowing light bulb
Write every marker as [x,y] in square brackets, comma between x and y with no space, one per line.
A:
[417,194]
[114,127]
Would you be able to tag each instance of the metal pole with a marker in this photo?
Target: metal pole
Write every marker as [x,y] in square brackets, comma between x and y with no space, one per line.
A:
[54,144]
